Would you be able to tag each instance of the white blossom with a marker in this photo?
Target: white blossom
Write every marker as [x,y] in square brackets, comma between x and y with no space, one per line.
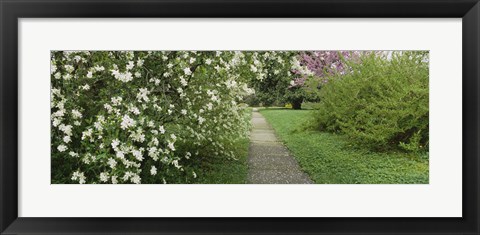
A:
[73,154]
[79,176]
[123,77]
[153,170]
[99,68]
[69,68]
[127,122]
[87,134]
[201,120]
[115,143]
[104,176]
[187,71]
[183,81]
[140,62]
[136,179]
[137,154]
[53,68]
[67,139]
[62,148]
[171,146]
[142,95]
[130,65]
[76,114]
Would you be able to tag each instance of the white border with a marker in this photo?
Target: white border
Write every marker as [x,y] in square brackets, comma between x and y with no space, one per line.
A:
[441,198]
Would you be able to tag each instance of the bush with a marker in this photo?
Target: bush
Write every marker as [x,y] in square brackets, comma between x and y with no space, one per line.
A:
[145,117]
[381,102]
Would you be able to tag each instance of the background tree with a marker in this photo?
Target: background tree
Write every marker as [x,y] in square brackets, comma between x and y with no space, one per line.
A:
[311,70]
[276,71]
[297,93]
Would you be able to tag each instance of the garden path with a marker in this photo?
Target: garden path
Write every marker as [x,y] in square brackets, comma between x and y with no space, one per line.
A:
[269,161]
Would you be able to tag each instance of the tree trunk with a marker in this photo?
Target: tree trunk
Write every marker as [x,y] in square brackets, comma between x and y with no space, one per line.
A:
[297,104]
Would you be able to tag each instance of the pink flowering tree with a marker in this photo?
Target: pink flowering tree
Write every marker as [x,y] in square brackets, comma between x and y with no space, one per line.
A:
[312,69]
[325,63]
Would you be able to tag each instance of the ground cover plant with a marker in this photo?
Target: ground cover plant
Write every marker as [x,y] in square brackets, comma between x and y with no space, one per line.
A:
[330,158]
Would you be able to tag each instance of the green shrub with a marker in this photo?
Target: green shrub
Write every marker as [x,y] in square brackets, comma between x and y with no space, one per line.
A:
[382,102]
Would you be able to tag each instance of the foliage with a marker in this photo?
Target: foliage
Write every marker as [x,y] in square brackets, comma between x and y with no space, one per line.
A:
[275,69]
[146,117]
[285,74]
[334,159]
[381,102]
[311,69]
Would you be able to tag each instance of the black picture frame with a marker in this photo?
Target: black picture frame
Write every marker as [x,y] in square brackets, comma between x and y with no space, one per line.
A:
[12,10]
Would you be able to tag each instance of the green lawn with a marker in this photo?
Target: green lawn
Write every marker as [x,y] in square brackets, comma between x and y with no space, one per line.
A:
[332,159]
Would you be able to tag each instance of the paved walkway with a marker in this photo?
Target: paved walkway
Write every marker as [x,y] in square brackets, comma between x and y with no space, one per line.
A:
[269,161]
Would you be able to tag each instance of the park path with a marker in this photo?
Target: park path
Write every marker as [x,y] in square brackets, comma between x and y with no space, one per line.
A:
[269,162]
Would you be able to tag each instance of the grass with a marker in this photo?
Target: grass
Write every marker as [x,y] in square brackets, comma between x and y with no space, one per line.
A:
[332,159]
[218,170]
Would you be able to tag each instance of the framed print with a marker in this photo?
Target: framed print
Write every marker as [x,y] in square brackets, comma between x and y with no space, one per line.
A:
[239,117]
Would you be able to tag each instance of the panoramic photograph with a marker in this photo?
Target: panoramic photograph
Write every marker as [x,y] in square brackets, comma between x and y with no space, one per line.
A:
[239,117]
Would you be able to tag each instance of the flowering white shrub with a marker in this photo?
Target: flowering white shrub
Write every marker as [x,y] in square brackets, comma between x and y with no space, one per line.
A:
[141,117]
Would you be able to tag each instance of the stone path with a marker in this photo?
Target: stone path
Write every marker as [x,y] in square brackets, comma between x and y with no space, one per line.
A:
[269,161]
